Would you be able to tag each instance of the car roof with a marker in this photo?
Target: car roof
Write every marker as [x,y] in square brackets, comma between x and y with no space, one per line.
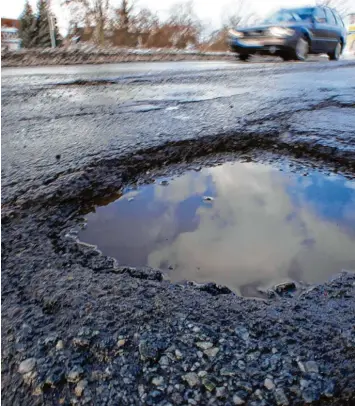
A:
[300,8]
[309,9]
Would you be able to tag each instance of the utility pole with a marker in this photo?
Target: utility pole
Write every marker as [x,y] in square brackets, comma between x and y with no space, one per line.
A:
[51,25]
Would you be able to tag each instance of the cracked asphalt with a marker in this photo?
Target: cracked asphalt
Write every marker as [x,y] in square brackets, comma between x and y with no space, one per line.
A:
[78,328]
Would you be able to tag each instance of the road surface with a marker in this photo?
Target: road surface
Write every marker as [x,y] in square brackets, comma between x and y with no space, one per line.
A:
[99,113]
[79,329]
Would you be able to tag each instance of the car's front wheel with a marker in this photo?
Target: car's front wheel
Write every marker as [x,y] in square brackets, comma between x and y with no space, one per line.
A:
[335,55]
[243,57]
[302,49]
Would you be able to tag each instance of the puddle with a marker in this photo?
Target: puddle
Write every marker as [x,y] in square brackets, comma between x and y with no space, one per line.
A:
[243,225]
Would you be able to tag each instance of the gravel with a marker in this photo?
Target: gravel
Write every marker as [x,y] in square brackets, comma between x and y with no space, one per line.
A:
[77,333]
[27,365]
[78,328]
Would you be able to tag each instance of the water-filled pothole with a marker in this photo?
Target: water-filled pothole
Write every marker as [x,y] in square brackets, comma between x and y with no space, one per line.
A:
[243,225]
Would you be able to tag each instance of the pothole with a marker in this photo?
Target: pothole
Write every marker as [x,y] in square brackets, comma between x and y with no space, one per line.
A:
[243,225]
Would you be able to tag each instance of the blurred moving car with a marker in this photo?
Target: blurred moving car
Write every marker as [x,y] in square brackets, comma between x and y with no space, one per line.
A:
[292,34]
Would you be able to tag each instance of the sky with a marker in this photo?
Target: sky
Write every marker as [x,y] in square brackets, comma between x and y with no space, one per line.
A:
[210,11]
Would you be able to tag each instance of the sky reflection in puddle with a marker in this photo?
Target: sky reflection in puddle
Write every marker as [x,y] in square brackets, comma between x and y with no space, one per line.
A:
[261,227]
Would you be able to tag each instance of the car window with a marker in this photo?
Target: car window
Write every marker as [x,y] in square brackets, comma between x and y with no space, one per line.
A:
[305,13]
[337,18]
[330,17]
[282,16]
[319,15]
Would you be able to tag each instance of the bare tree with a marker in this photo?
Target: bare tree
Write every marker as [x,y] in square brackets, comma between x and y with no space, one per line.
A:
[145,21]
[343,7]
[184,25]
[94,13]
[236,14]
[124,15]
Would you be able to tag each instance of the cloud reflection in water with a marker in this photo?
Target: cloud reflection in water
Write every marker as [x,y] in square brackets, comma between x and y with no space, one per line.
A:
[263,226]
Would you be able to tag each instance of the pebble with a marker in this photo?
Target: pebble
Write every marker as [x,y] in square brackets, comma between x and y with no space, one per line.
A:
[227,372]
[141,390]
[241,364]
[237,400]
[311,366]
[79,389]
[192,379]
[269,384]
[285,287]
[258,394]
[178,354]
[301,366]
[75,374]
[242,333]
[158,381]
[253,356]
[177,398]
[121,343]
[245,386]
[310,395]
[221,392]
[60,345]
[212,352]
[295,389]
[81,342]
[27,365]
[147,351]
[29,377]
[280,397]
[50,340]
[208,384]
[164,361]
[38,390]
[204,345]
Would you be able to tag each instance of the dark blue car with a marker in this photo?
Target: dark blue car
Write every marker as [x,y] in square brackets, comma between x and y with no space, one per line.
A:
[292,34]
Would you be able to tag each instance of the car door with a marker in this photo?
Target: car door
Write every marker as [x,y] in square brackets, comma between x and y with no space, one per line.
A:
[333,30]
[319,31]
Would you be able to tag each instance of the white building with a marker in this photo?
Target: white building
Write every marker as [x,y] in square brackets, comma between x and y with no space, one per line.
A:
[10,39]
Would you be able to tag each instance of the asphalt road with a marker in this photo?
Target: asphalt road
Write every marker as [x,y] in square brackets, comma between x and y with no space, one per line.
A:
[86,114]
[79,329]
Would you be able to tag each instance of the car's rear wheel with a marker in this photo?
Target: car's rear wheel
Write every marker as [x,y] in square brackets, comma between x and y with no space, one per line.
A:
[286,57]
[335,55]
[243,57]
[301,49]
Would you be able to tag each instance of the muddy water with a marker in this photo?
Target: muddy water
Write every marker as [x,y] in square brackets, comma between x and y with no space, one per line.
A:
[243,225]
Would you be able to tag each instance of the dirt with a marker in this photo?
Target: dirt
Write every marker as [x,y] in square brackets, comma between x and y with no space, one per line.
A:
[75,56]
